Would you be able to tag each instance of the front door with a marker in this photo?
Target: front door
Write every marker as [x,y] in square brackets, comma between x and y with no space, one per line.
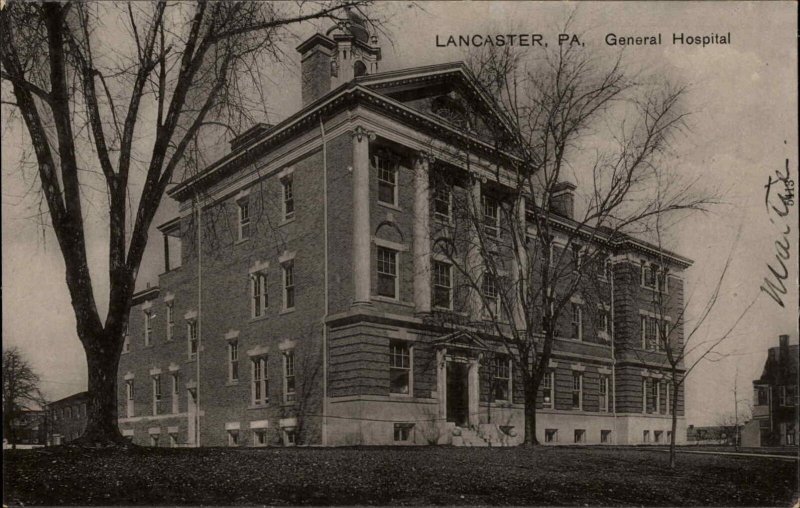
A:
[457,393]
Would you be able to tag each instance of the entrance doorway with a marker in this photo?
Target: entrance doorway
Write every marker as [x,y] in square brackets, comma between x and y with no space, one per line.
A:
[457,393]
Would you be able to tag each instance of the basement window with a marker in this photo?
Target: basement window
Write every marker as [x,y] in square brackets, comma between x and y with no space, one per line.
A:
[402,431]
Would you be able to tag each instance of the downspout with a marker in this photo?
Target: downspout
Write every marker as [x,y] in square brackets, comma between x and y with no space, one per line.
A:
[199,319]
[613,359]
[325,292]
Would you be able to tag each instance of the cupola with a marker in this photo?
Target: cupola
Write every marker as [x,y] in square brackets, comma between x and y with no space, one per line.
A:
[346,51]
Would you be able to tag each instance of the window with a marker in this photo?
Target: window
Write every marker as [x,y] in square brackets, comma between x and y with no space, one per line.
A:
[258,290]
[604,382]
[649,326]
[260,437]
[289,393]
[667,397]
[551,435]
[491,217]
[580,435]
[762,395]
[655,396]
[175,397]
[790,437]
[669,436]
[399,367]
[290,437]
[402,431]
[577,321]
[644,395]
[192,339]
[502,378]
[288,198]
[153,439]
[156,393]
[233,437]
[260,388]
[781,395]
[126,342]
[577,390]
[387,272]
[288,285]
[69,413]
[387,180]
[233,361]
[605,436]
[491,295]
[791,395]
[649,275]
[605,322]
[129,388]
[244,219]
[657,435]
[606,270]
[645,436]
[577,257]
[547,388]
[173,440]
[442,285]
[442,201]
[170,320]
[148,328]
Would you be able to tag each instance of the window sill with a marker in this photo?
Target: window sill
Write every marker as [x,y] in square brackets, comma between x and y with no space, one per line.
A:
[395,301]
[286,221]
[232,383]
[287,311]
[390,206]
[254,319]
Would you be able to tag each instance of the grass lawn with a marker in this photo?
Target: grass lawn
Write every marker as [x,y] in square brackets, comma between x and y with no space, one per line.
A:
[392,476]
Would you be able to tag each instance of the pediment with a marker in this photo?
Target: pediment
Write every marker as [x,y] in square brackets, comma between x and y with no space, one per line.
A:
[460,340]
[448,93]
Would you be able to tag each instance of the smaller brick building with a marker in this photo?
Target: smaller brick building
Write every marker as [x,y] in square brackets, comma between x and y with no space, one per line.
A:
[67,419]
[775,399]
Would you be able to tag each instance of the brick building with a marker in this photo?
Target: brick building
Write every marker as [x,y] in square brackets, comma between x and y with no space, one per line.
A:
[295,310]
[67,419]
[776,411]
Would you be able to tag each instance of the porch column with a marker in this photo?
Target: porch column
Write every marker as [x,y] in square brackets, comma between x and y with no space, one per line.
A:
[473,392]
[361,243]
[520,265]
[422,235]
[474,259]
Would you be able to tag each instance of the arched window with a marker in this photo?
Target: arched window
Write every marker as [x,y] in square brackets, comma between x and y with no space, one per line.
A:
[359,69]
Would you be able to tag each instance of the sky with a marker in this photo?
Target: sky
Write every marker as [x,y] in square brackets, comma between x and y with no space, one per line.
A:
[743,99]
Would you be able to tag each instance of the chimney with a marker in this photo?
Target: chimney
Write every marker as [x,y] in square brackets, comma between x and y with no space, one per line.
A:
[562,200]
[346,51]
[783,341]
[316,67]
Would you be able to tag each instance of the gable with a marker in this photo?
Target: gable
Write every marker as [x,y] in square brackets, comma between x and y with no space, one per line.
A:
[448,93]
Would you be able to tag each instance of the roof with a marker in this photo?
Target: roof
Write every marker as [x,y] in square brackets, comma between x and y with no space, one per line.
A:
[790,361]
[367,89]
[75,397]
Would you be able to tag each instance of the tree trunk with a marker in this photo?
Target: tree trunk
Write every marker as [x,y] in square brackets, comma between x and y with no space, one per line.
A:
[674,427]
[530,418]
[101,407]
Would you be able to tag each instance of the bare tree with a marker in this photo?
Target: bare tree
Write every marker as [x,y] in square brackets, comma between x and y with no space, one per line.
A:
[21,393]
[530,250]
[122,117]
[687,342]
